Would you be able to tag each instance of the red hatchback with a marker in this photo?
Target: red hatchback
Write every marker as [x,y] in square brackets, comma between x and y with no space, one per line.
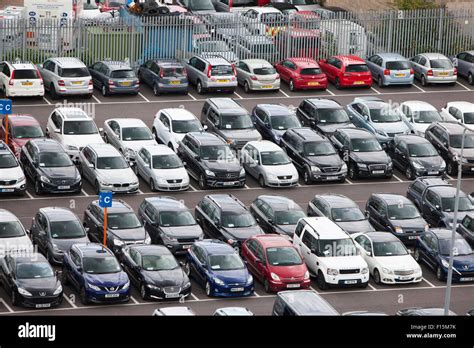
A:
[347,71]
[273,260]
[21,128]
[302,73]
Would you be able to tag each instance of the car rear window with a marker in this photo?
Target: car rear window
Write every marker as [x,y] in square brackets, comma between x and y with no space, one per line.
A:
[173,72]
[26,74]
[398,65]
[441,64]
[310,71]
[73,72]
[121,74]
[264,71]
[220,70]
[357,68]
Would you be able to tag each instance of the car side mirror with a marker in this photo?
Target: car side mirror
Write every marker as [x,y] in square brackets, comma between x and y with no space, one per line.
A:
[90,165]
[40,66]
[57,273]
[79,269]
[43,233]
[267,125]
[204,265]
[437,207]
[369,253]
[313,251]
[270,221]
[258,261]
[57,131]
[35,164]
[101,130]
[204,127]
[197,158]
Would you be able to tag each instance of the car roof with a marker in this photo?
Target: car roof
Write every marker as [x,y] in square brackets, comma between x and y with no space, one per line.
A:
[58,213]
[304,62]
[128,122]
[179,114]
[444,233]
[23,66]
[164,202]
[356,133]
[4,148]
[214,246]
[93,249]
[104,149]
[452,127]
[391,56]
[419,105]
[272,240]
[307,302]
[225,103]
[411,138]
[446,191]
[177,311]
[70,113]
[206,138]
[28,258]
[118,206]
[337,200]
[326,228]
[434,55]
[324,103]
[276,109]
[377,236]
[307,133]
[226,200]
[116,65]
[350,59]
[68,62]
[266,10]
[158,149]
[279,203]
[257,63]
[22,120]
[6,215]
[392,198]
[150,249]
[49,145]
[462,105]
[431,181]
[214,59]
[168,62]
[265,145]
[234,311]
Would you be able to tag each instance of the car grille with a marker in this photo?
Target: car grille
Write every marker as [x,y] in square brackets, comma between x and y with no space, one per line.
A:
[377,167]
[241,143]
[227,175]
[174,181]
[62,181]
[404,273]
[121,185]
[470,160]
[330,169]
[391,135]
[110,288]
[171,289]
[41,300]
[349,271]
[186,240]
[284,177]
[466,274]
[7,182]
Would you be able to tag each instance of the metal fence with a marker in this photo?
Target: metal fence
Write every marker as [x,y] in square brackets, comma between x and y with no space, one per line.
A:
[239,35]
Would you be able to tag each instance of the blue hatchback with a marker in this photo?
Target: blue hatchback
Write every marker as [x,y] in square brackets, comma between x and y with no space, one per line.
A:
[218,267]
[96,274]
[432,248]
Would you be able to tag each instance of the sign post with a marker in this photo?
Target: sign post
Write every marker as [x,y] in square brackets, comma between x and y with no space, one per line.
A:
[105,201]
[6,109]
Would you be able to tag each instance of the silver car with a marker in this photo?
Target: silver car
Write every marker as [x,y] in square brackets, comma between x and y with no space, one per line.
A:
[433,68]
[206,46]
[252,46]
[256,75]
[390,69]
[464,61]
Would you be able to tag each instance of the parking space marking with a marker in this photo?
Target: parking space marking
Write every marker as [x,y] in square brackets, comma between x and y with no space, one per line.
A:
[98,101]
[316,291]
[396,177]
[286,95]
[29,195]
[428,282]
[246,186]
[69,301]
[192,188]
[134,300]
[449,177]
[6,305]
[140,191]
[421,89]
[256,294]
[192,97]
[47,101]
[329,91]
[238,95]
[195,297]
[373,288]
[84,193]
[141,95]
[350,182]
[460,84]
[373,89]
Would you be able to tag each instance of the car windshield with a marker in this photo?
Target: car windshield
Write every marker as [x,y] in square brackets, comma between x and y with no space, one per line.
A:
[384,115]
[284,122]
[468,117]
[337,247]
[34,270]
[310,71]
[318,148]
[122,74]
[212,46]
[402,211]
[216,153]
[7,160]
[236,122]
[26,74]
[11,229]
[186,126]
[226,262]
[357,68]
[283,256]
[101,265]
[73,72]
[365,145]
[332,116]
[115,162]
[274,158]
[136,134]
[80,127]
[67,229]
[54,159]
[173,72]
[288,217]
[237,219]
[176,218]
[395,248]
[347,214]
[461,247]
[428,116]
[441,64]
[456,141]
[166,162]
[122,221]
[264,71]
[200,5]
[159,262]
[464,204]
[27,132]
[398,65]
[222,70]
[422,150]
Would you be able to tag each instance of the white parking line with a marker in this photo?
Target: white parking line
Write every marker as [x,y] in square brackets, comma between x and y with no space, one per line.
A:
[238,95]
[421,89]
[373,89]
[195,297]
[192,97]
[96,99]
[449,177]
[141,95]
[134,300]
[46,100]
[69,301]
[396,177]
[256,294]
[192,188]
[246,186]
[6,305]
[316,291]
[84,193]
[429,283]
[140,191]
[29,194]
[286,95]
[329,91]
[460,84]
[350,182]
[370,286]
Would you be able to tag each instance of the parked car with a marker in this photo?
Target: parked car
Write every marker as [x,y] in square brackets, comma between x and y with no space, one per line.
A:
[169,222]
[301,302]
[276,214]
[12,178]
[114,77]
[66,76]
[30,281]
[263,20]
[164,76]
[313,155]
[54,230]
[173,311]
[94,272]
[20,79]
[459,111]
[418,115]
[342,210]
[197,6]
[464,62]
[433,249]
[49,167]
[466,228]
[255,46]
[273,120]
[256,75]
[232,311]
[423,312]
[364,314]
[389,260]
[415,156]
[209,46]
[433,68]
[219,269]
[390,69]
[302,73]
[13,236]
[346,71]
[21,128]
[155,272]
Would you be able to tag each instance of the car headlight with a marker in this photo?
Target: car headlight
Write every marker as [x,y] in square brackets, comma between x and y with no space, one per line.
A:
[315,169]
[94,287]
[22,178]
[154,287]
[210,173]
[364,270]
[44,179]
[127,285]
[418,270]
[78,176]
[201,237]
[24,292]
[382,133]
[427,227]
[130,152]
[362,165]
[442,166]
[387,270]
[104,183]
[306,275]
[249,279]
[147,240]
[72,148]
[344,166]
[134,183]
[167,238]
[187,285]
[218,281]
[445,263]
[118,242]
[332,271]
[242,172]
[272,177]
[464,160]
[58,290]
[390,165]
[161,181]
[55,247]
[274,277]
[398,229]
[417,165]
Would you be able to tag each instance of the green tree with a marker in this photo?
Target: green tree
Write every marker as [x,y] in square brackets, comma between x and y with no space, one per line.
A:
[414,4]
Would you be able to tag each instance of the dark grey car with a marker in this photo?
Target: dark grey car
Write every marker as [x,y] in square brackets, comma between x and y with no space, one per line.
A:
[464,62]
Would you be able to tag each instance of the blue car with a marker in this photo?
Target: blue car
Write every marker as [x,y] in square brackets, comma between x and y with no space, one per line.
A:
[432,248]
[390,69]
[96,274]
[273,120]
[219,268]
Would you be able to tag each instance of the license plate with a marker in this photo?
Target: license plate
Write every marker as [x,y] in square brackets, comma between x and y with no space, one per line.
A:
[43,305]
[267,86]
[404,277]
[434,172]
[223,81]
[126,83]
[111,295]
[27,83]
[175,82]
[400,75]
[229,183]
[350,281]
[411,237]
[332,178]
[378,171]
[186,246]
[292,286]
[7,190]
[443,74]
[313,83]
[466,279]
[236,289]
[176,295]
[359,83]
[76,82]
[64,187]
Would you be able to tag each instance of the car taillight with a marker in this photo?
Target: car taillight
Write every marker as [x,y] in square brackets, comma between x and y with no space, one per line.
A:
[41,82]
[412,71]
[277,77]
[455,71]
[185,73]
[209,71]
[111,83]
[162,73]
[233,68]
[61,83]
[12,78]
[253,77]
[90,82]
[430,72]
[346,74]
[386,72]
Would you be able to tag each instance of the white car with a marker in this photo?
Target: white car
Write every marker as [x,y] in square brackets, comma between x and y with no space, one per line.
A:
[73,129]
[13,237]
[128,135]
[330,253]
[20,80]
[12,178]
[257,74]
[161,168]
[388,259]
[171,125]
[269,164]
[459,111]
[418,115]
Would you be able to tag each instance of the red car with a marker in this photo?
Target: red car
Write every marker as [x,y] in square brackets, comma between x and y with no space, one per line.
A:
[347,71]
[273,260]
[21,128]
[302,73]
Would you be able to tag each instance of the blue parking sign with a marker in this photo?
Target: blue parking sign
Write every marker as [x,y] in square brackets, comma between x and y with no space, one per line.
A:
[105,199]
[5,106]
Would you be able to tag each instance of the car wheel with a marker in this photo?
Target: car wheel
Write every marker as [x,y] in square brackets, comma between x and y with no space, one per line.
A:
[187,269]
[380,82]
[208,289]
[409,173]
[52,92]
[152,185]
[261,181]
[424,83]
[321,281]
[338,83]
[156,90]
[15,300]
[377,276]
[353,171]
[292,85]
[470,79]
[247,87]
[97,187]
[416,255]
[307,176]
[143,292]
[64,277]
[104,91]
[439,273]
[199,88]
[83,296]
[451,168]
[38,189]
[266,285]
[202,182]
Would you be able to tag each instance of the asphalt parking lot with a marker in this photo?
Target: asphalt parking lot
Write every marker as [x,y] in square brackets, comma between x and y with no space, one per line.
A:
[429,292]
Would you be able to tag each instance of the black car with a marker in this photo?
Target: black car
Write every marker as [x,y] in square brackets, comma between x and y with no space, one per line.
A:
[169,222]
[362,153]
[155,272]
[323,115]
[164,76]
[301,302]
[54,230]
[447,139]
[30,281]
[396,214]
[466,228]
[210,161]
[276,214]
[415,156]
[224,217]
[48,166]
[313,155]
[273,120]
[123,226]
[422,312]
[342,210]
[114,77]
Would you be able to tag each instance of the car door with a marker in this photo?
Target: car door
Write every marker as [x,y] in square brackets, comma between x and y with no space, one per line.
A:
[75,272]
[164,128]
[86,161]
[432,250]
[400,155]
[47,71]
[192,70]
[250,160]
[365,246]
[310,250]
[132,263]
[43,233]
[243,72]
[416,66]
[94,72]
[7,273]
[374,209]
[93,221]
[462,64]
[144,164]
[146,74]
[373,64]
[249,254]
[113,132]
[199,264]
[54,127]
